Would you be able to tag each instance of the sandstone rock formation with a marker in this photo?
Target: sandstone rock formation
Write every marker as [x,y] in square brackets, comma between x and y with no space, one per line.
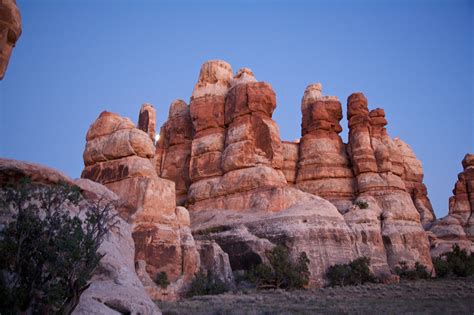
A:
[239,167]
[119,156]
[173,150]
[115,287]
[458,226]
[413,178]
[10,31]
[324,169]
[147,120]
[378,167]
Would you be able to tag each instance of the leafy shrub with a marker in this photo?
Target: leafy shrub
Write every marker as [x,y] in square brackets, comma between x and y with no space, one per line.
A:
[362,204]
[206,284]
[354,273]
[457,262]
[48,255]
[419,272]
[281,272]
[162,280]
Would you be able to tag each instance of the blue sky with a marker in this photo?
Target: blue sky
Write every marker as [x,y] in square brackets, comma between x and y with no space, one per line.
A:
[78,58]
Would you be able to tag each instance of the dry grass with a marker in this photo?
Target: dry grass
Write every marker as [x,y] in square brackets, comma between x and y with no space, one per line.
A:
[450,296]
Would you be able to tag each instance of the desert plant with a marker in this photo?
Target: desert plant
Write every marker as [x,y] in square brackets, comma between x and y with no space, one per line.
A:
[457,262]
[362,204]
[206,283]
[354,273]
[48,254]
[418,272]
[281,272]
[162,279]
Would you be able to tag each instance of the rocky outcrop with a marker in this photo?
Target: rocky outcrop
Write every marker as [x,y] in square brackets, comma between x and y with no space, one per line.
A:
[324,169]
[413,178]
[10,31]
[243,176]
[378,167]
[458,226]
[173,150]
[115,287]
[119,156]
[313,226]
[236,153]
[147,120]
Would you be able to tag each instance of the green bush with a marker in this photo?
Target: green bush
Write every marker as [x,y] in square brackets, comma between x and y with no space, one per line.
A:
[206,284]
[362,204]
[48,255]
[354,273]
[281,272]
[457,262]
[419,272]
[162,280]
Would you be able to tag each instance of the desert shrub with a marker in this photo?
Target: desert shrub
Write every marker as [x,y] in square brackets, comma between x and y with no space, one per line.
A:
[457,262]
[354,273]
[48,255]
[206,284]
[362,204]
[419,272]
[281,272]
[162,280]
[441,267]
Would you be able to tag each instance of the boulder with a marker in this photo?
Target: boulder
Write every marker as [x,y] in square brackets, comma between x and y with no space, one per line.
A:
[147,120]
[10,31]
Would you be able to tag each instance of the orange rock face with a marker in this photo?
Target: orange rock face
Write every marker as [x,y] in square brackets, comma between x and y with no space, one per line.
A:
[120,156]
[10,31]
[323,167]
[458,226]
[147,120]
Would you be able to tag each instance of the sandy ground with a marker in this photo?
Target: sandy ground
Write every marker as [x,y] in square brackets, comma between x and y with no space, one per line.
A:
[455,296]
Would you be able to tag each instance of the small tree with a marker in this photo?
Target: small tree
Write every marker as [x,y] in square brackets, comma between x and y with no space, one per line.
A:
[457,262]
[48,254]
[419,272]
[354,273]
[206,284]
[281,272]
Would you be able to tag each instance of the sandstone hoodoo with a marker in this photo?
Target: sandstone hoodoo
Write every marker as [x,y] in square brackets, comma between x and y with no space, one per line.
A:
[458,226]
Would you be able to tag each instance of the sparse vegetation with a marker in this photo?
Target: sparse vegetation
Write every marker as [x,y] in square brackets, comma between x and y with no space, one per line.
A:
[362,204]
[162,280]
[418,272]
[48,255]
[281,273]
[354,273]
[212,230]
[457,262]
[205,283]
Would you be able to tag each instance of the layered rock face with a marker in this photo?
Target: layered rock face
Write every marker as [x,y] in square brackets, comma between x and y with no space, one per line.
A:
[241,172]
[10,31]
[458,226]
[378,167]
[413,178]
[236,153]
[173,150]
[324,168]
[119,156]
[114,286]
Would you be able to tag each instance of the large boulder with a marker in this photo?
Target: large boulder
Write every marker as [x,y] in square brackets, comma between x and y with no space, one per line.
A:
[10,31]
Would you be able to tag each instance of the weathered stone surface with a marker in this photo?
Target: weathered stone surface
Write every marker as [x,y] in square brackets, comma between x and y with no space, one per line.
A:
[378,167]
[413,179]
[215,78]
[243,75]
[458,226]
[173,150]
[162,237]
[324,168]
[313,226]
[290,152]
[215,260]
[115,287]
[10,31]
[147,120]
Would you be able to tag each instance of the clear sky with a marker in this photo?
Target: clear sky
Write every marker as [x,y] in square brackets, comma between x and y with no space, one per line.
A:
[78,58]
